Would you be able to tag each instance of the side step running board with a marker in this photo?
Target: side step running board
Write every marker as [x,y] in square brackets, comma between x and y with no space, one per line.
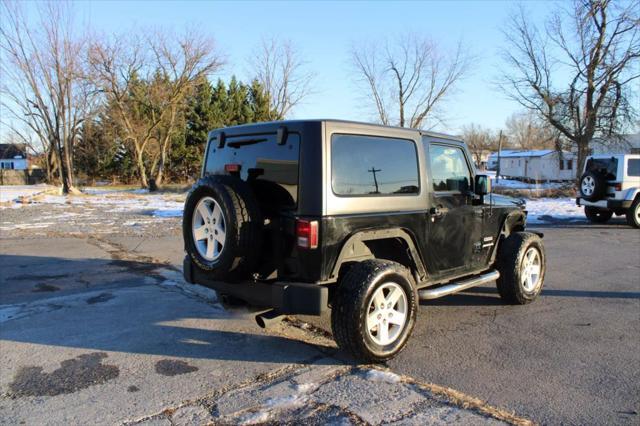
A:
[455,287]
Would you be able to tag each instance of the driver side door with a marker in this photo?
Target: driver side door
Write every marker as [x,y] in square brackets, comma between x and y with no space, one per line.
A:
[454,222]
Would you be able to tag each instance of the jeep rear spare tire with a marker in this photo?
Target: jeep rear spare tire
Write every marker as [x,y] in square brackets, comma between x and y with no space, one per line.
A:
[222,227]
[374,310]
[592,186]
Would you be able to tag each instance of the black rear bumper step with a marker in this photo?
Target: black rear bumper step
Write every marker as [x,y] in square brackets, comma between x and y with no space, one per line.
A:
[284,297]
[611,204]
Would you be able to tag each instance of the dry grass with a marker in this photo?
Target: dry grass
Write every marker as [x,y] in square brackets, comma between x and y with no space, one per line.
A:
[564,192]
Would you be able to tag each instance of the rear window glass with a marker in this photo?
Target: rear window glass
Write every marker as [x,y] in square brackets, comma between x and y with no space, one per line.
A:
[371,165]
[606,166]
[633,167]
[262,162]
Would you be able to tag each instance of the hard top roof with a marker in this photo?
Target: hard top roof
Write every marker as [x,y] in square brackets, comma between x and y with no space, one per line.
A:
[268,124]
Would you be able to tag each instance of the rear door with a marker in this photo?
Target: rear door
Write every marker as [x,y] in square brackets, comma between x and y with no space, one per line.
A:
[455,223]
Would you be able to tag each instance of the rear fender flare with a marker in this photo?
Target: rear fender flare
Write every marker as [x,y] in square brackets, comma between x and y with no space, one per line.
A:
[360,246]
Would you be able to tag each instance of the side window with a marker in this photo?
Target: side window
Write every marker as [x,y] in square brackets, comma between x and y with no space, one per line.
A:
[449,169]
[371,165]
[633,167]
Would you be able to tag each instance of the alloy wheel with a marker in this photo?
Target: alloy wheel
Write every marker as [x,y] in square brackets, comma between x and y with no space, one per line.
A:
[209,228]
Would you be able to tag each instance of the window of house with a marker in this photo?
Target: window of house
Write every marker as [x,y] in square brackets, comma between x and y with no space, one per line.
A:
[373,165]
[449,169]
[562,164]
[569,164]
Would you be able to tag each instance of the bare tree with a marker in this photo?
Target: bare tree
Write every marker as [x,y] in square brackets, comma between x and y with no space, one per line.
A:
[281,72]
[146,80]
[479,140]
[527,131]
[44,86]
[576,74]
[409,79]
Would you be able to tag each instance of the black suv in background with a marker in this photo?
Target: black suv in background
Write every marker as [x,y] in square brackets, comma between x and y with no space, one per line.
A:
[301,216]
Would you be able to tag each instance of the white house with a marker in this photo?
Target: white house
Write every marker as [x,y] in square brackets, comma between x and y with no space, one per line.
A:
[538,165]
[492,160]
[13,157]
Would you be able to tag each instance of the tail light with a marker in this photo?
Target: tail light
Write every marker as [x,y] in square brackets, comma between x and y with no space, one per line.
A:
[618,186]
[232,168]
[307,233]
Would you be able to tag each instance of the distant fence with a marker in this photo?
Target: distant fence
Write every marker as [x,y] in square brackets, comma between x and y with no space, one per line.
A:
[21,177]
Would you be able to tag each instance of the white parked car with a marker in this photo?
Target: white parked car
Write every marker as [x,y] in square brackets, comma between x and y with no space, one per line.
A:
[611,184]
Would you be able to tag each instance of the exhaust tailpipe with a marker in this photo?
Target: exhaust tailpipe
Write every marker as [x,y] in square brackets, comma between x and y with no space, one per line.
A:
[269,318]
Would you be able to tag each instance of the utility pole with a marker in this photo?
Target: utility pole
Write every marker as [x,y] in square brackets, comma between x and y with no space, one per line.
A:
[375,180]
[499,153]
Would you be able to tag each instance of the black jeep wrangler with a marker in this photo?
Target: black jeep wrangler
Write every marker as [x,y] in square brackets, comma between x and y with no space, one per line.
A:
[302,216]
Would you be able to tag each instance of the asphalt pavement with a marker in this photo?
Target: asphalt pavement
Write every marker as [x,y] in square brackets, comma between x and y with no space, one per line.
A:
[571,357]
[94,327]
[101,329]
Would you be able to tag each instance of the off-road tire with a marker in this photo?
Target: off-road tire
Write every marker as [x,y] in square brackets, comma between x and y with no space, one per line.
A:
[599,189]
[243,227]
[510,262]
[597,215]
[351,303]
[633,213]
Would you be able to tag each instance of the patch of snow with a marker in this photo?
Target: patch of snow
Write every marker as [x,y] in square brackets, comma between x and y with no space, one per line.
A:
[120,200]
[285,401]
[10,193]
[382,376]
[96,191]
[26,226]
[306,387]
[545,210]
[504,183]
[254,418]
[167,213]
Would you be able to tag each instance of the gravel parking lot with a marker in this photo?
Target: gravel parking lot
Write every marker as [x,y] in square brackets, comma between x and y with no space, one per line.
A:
[96,324]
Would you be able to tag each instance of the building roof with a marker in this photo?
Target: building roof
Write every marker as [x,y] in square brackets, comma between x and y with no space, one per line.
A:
[11,151]
[515,153]
[533,153]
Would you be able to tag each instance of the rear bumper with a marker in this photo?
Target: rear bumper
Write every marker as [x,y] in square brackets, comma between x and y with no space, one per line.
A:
[284,297]
[605,204]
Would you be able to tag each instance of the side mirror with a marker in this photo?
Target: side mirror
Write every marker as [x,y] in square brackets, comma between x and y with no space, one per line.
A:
[482,185]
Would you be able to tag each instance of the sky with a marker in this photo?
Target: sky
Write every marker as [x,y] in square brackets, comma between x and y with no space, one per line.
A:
[323,33]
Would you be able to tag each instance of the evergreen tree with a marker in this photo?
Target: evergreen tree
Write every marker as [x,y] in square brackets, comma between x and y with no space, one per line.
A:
[259,101]
[104,154]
